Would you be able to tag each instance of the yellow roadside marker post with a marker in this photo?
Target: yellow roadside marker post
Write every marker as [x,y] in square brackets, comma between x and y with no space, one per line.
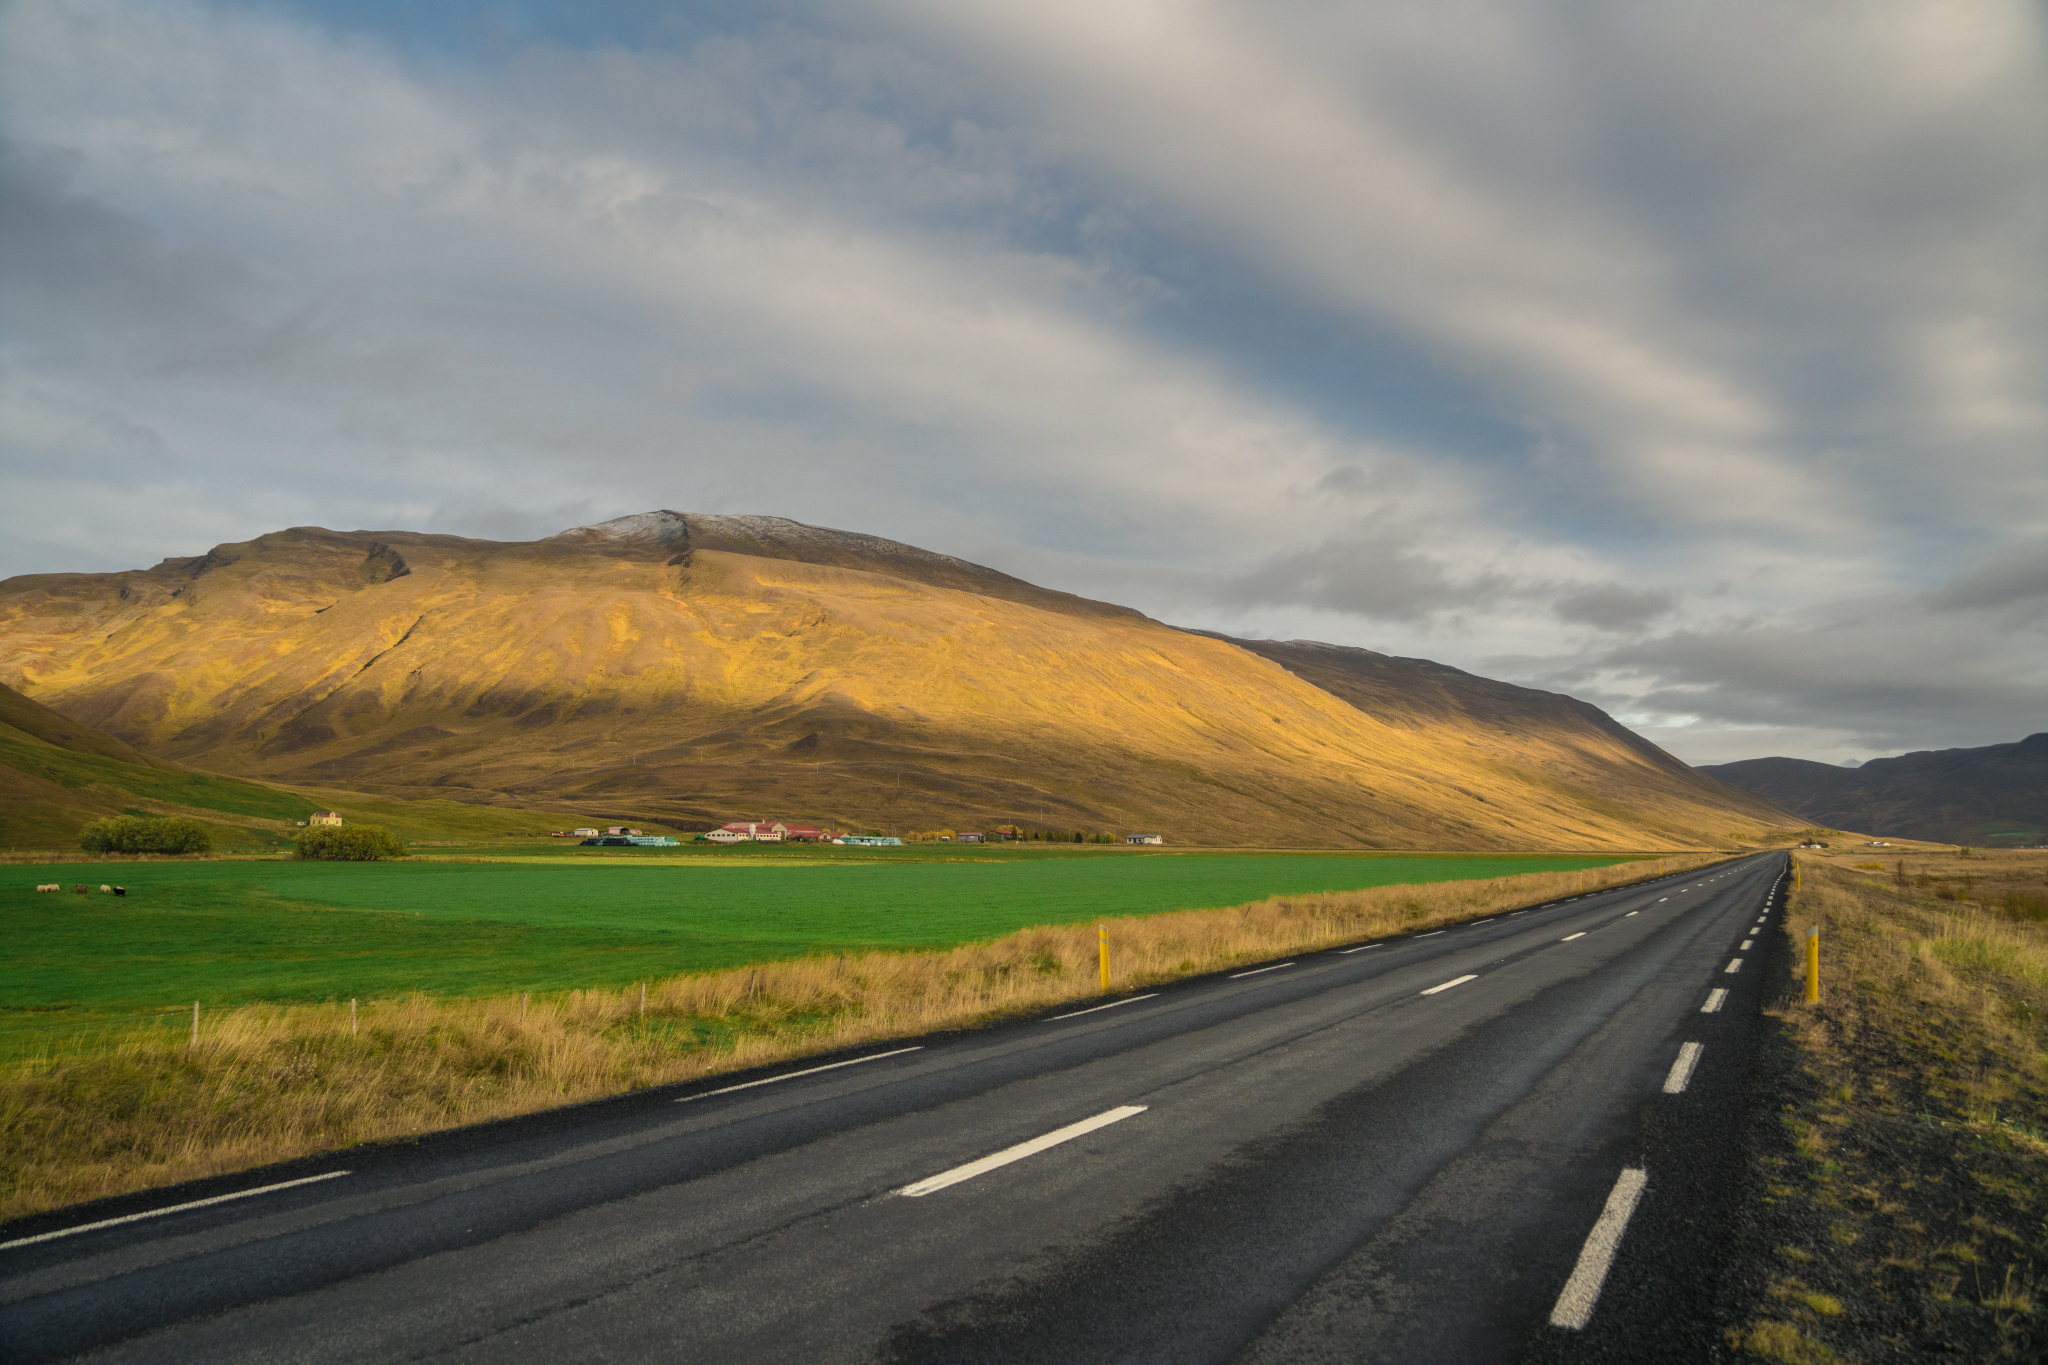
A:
[1813,966]
[1102,949]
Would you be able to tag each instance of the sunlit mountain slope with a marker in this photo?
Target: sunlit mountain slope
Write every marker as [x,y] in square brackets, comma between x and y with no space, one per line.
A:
[705,668]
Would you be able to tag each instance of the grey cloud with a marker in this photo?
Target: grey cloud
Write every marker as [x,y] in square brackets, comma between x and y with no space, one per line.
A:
[1610,606]
[2018,575]
[1378,580]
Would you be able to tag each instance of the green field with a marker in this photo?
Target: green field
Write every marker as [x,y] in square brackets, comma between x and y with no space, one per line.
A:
[226,932]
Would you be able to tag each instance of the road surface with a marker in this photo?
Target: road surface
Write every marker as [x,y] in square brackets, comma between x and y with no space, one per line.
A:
[1508,1140]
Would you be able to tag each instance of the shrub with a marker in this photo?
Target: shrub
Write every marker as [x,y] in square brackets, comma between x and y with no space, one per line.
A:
[348,843]
[144,834]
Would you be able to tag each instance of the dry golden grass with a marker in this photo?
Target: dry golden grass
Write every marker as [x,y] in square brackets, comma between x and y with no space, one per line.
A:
[1913,1183]
[267,1083]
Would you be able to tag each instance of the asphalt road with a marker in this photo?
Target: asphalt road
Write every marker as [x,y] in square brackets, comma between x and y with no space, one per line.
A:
[1342,1157]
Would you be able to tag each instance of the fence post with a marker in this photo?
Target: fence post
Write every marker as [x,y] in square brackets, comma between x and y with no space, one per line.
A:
[195,1023]
[643,1000]
[351,1016]
[1813,966]
[522,1007]
[1102,947]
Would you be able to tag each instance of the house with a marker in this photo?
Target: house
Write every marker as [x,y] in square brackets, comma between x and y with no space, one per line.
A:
[972,836]
[1144,838]
[766,832]
[584,833]
[324,817]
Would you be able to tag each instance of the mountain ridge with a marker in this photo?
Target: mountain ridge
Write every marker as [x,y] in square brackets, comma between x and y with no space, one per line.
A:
[718,666]
[1989,794]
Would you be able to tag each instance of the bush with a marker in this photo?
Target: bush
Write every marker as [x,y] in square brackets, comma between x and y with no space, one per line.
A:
[348,843]
[144,834]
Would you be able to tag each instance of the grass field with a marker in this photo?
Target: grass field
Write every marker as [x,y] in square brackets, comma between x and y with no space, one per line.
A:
[98,1110]
[226,933]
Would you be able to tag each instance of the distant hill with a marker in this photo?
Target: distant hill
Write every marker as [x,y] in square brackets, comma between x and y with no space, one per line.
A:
[1989,796]
[700,668]
[56,774]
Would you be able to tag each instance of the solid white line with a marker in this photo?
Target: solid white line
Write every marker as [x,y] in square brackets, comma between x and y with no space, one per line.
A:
[175,1208]
[1448,984]
[808,1071]
[1569,937]
[1092,1008]
[1714,999]
[1745,944]
[1681,1070]
[1019,1152]
[1734,965]
[1574,1308]
[1361,948]
[1256,970]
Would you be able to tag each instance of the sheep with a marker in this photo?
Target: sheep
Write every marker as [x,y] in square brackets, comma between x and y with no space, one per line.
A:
[106,890]
[82,889]
[120,890]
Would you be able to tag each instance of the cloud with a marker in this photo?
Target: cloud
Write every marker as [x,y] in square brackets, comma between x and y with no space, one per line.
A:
[1438,329]
[1610,606]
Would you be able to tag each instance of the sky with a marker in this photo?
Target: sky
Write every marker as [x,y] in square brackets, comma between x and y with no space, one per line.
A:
[1688,358]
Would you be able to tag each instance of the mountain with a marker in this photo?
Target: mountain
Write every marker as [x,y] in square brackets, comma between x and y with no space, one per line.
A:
[1996,794]
[701,668]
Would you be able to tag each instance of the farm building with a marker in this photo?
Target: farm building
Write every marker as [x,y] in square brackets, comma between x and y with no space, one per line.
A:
[1144,838]
[324,817]
[766,832]
[972,836]
[869,840]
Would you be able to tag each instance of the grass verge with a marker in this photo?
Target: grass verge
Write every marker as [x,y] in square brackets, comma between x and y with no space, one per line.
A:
[1900,1208]
[269,1082]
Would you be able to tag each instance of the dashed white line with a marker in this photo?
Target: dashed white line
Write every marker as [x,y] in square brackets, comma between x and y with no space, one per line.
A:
[1745,944]
[174,1208]
[1361,948]
[932,1184]
[1431,934]
[1662,899]
[807,1071]
[1569,937]
[1680,1075]
[1477,922]
[1256,970]
[1734,965]
[1715,997]
[1632,912]
[1574,1307]
[1076,1014]
[1470,976]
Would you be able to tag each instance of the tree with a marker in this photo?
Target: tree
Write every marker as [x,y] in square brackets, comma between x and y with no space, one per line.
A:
[145,834]
[348,843]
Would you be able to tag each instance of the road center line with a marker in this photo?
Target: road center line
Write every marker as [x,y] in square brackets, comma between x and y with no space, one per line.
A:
[1361,948]
[1714,999]
[1734,965]
[1745,944]
[807,1071]
[175,1208]
[1431,934]
[1569,937]
[1681,1070]
[1076,1014]
[1632,912]
[932,1184]
[1448,984]
[1256,970]
[1574,1308]
[1662,899]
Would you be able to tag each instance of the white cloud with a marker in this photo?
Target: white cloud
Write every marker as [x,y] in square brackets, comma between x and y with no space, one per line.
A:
[1472,329]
